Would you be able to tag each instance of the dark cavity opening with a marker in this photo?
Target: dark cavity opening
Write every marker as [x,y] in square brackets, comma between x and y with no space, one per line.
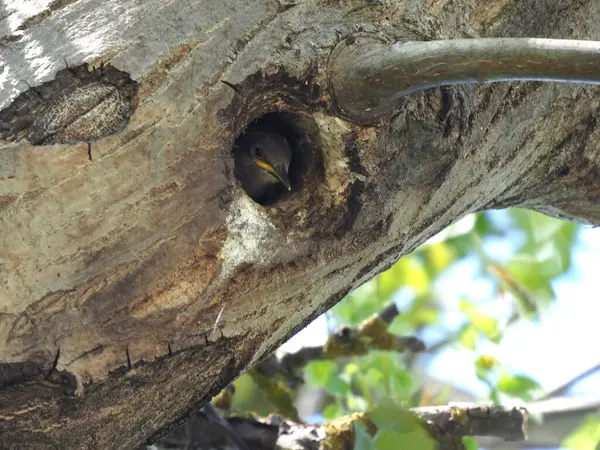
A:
[262,151]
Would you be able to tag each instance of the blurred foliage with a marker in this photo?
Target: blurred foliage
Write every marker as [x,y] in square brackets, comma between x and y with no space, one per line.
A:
[516,252]
[470,443]
[397,429]
[586,436]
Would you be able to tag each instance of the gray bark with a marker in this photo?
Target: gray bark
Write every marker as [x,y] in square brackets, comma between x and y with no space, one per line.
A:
[113,272]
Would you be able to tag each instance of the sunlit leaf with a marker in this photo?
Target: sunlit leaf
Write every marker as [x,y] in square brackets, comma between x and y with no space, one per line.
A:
[486,362]
[374,377]
[530,268]
[518,386]
[419,314]
[317,373]
[468,338]
[351,368]
[388,414]
[482,322]
[325,374]
[485,365]
[425,316]
[402,383]
[407,272]
[540,227]
[390,439]
[337,386]
[398,428]
[390,281]
[416,275]
[586,436]
[524,298]
[356,403]
[470,443]
[464,245]
[396,381]
[438,257]
[332,411]
[549,240]
[359,304]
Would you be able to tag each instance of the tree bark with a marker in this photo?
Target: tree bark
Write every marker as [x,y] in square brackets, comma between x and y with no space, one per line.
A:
[136,285]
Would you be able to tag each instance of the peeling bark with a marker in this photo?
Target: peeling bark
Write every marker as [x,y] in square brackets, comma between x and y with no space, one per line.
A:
[113,272]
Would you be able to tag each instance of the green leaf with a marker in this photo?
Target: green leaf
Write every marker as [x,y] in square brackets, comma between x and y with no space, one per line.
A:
[356,403]
[337,386]
[495,396]
[540,227]
[325,374]
[394,381]
[530,270]
[389,414]
[586,436]
[417,316]
[389,439]
[402,384]
[549,241]
[470,443]
[524,297]
[398,428]
[318,373]
[468,337]
[359,304]
[466,245]
[438,257]
[485,365]
[332,411]
[484,226]
[351,368]
[518,386]
[425,316]
[484,323]
[407,272]
[362,440]
[374,377]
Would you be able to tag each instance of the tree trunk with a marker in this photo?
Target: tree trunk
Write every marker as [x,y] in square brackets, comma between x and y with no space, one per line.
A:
[135,285]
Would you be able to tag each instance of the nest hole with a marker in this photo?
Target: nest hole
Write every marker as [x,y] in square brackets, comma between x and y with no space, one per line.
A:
[258,154]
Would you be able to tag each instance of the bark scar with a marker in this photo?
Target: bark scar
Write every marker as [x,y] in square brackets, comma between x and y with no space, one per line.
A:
[54,364]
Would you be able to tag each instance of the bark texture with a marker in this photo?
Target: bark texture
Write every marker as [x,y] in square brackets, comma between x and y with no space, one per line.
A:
[134,286]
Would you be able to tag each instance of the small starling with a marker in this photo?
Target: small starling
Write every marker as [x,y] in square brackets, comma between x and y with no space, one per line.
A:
[262,162]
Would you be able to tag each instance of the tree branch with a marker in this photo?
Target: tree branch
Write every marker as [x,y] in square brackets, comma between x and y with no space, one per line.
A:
[560,390]
[207,429]
[465,419]
[369,76]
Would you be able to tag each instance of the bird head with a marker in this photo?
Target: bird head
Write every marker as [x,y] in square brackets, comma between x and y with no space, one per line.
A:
[274,158]
[262,160]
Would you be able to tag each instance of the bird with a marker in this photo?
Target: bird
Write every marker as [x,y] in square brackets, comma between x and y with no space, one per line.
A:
[262,162]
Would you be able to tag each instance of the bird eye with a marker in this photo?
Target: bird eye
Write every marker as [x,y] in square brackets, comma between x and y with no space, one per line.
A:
[258,152]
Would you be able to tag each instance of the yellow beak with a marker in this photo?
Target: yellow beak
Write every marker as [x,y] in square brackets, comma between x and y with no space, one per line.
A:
[278,175]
